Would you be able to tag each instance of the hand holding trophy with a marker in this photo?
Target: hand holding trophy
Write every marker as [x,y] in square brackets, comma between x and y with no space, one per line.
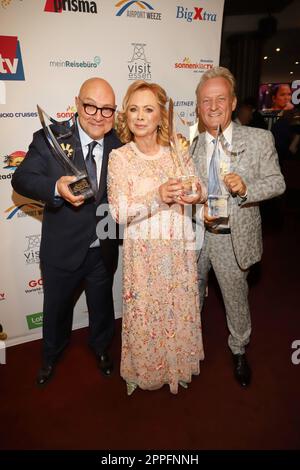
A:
[64,143]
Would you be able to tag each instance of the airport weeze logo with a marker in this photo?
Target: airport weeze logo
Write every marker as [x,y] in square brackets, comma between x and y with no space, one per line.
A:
[11,65]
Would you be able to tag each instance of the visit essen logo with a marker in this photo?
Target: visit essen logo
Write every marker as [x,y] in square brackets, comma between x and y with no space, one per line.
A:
[75,6]
[143,10]
[11,64]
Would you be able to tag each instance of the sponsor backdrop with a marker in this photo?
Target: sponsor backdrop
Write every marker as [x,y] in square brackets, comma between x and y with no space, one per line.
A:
[47,49]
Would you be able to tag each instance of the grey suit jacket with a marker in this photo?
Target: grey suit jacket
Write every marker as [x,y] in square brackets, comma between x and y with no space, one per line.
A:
[257,164]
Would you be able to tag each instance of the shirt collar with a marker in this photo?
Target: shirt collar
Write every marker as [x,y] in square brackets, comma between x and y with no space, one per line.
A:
[227,134]
[85,139]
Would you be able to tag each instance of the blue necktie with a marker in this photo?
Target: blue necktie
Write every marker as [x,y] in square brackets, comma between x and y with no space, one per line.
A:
[214,186]
[91,166]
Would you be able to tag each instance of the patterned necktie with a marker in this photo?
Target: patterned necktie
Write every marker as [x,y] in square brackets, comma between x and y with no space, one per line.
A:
[91,166]
[214,186]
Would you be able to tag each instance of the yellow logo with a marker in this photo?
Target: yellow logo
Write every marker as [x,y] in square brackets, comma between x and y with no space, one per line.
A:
[67,149]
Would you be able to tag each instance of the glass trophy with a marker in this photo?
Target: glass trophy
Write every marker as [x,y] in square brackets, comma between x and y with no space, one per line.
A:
[64,143]
[179,149]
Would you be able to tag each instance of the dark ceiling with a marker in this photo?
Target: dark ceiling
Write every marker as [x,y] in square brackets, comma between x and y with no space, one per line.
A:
[254,7]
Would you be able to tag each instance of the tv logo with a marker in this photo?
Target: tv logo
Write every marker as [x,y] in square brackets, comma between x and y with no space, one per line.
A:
[296,354]
[11,65]
[2,352]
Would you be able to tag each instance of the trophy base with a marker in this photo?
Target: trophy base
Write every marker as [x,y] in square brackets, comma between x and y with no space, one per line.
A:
[189,185]
[218,206]
[81,187]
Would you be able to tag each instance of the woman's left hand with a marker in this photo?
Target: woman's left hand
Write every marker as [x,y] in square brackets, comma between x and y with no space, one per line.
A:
[198,198]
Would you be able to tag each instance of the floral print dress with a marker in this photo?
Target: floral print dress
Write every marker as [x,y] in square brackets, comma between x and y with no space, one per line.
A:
[161,327]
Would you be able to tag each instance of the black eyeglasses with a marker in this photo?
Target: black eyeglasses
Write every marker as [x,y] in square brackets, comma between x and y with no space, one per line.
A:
[91,109]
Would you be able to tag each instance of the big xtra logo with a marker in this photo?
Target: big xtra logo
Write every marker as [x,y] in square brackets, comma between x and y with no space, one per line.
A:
[197,14]
[142,10]
[75,6]
[11,65]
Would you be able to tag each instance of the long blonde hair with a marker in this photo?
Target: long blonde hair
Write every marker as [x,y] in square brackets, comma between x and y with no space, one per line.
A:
[123,130]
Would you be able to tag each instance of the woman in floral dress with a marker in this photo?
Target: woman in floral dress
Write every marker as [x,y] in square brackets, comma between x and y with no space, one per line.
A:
[161,329]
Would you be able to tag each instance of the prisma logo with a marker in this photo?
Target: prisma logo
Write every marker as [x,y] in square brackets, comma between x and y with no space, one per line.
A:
[11,65]
[76,6]
[141,13]
[198,14]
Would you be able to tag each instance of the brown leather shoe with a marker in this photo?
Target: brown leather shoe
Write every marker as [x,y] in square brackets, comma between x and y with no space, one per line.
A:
[241,369]
[44,374]
[105,364]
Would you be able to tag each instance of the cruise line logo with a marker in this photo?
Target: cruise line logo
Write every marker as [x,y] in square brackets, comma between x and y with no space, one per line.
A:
[143,10]
[76,6]
[139,68]
[11,65]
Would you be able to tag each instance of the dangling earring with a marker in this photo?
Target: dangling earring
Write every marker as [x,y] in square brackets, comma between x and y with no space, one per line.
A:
[158,128]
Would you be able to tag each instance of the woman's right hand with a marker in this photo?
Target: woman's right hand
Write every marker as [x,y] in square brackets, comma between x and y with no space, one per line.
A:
[170,191]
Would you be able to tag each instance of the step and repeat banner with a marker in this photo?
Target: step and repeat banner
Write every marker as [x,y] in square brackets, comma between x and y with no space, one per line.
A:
[47,49]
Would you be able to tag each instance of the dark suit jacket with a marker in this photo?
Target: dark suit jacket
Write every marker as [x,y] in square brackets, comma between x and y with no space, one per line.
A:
[67,231]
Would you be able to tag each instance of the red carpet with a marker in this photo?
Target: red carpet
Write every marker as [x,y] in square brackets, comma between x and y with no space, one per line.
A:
[80,409]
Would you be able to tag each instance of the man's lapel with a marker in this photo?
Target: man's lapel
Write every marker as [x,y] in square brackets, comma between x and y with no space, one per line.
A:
[109,143]
[238,146]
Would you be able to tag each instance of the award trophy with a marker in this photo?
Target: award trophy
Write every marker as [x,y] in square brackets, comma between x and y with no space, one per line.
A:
[217,197]
[63,142]
[178,150]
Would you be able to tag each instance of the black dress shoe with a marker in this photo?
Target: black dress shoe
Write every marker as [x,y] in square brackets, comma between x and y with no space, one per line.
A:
[44,374]
[105,364]
[242,371]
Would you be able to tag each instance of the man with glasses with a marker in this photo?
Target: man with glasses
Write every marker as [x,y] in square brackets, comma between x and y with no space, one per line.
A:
[70,251]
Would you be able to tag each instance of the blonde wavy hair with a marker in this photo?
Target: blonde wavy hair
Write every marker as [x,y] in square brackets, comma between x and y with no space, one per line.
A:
[216,72]
[122,128]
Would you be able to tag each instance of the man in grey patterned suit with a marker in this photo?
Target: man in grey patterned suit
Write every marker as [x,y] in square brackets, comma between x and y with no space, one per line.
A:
[249,173]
